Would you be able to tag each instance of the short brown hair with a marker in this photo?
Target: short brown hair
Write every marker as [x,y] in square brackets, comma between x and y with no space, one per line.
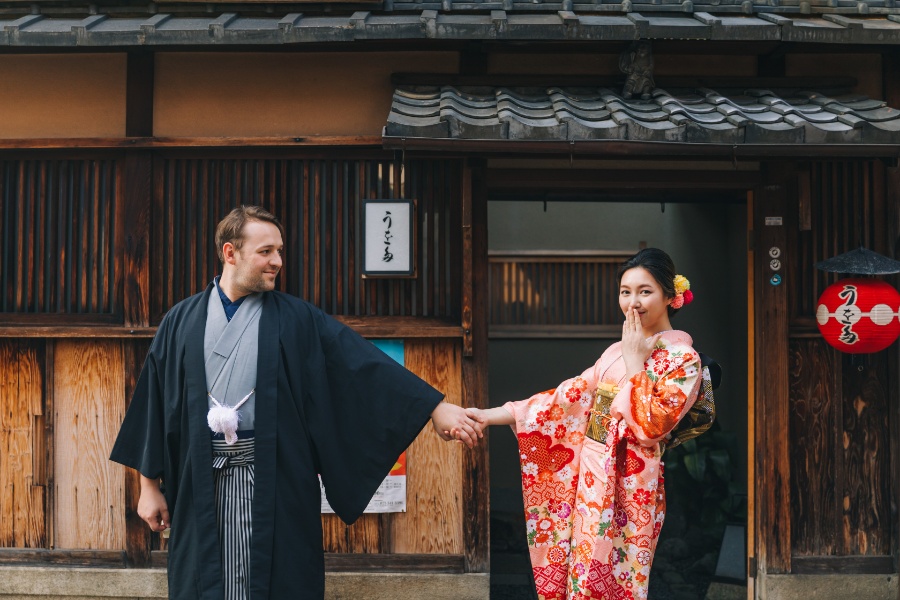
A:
[231,228]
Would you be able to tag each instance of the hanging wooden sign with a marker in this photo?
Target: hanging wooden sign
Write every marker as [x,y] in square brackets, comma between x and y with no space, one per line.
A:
[389,238]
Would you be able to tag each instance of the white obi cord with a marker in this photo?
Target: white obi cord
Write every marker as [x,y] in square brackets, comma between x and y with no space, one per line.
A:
[224,419]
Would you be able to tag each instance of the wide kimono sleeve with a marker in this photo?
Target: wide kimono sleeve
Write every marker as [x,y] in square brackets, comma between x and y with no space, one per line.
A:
[141,443]
[364,411]
[654,400]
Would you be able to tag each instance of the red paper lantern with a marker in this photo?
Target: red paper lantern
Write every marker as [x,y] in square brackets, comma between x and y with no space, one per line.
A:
[859,316]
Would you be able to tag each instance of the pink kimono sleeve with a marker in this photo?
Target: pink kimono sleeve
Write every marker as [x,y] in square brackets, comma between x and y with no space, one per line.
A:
[654,400]
[567,405]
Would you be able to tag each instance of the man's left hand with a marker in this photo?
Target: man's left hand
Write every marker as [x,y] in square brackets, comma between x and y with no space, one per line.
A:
[448,418]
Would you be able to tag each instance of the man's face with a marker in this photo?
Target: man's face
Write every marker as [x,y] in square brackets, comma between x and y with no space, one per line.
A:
[258,261]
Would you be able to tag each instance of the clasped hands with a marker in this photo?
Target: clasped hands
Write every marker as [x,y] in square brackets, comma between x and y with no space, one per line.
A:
[452,422]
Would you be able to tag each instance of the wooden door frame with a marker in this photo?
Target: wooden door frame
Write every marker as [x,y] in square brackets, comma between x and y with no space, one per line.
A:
[673,186]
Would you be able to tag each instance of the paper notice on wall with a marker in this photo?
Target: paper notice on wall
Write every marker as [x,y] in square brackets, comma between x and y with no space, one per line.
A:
[391,494]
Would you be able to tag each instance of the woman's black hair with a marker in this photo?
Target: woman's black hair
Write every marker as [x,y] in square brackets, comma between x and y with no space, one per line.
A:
[659,265]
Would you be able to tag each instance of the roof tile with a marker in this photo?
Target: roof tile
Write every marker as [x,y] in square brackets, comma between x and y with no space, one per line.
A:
[699,116]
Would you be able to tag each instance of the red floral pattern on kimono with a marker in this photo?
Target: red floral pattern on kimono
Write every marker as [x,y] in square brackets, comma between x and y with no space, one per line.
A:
[594,510]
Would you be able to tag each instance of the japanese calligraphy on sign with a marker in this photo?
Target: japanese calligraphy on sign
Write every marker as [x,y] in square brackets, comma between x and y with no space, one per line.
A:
[389,238]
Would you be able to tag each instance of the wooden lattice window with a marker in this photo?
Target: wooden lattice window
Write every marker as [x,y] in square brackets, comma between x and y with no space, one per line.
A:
[564,294]
[319,203]
[61,234]
[841,198]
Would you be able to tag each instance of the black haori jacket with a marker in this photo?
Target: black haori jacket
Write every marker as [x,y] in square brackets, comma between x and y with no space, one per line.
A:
[327,402]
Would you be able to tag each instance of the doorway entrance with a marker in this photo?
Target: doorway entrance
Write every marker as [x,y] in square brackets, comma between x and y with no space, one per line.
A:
[706,483]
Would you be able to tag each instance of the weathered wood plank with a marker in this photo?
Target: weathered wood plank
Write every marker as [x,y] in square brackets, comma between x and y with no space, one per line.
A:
[434,518]
[814,414]
[90,490]
[362,536]
[866,452]
[21,404]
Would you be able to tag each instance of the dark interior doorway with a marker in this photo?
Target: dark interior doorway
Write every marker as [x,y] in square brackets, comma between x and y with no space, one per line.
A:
[707,240]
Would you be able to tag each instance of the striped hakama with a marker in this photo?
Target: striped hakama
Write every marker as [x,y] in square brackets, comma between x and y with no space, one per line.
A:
[233,474]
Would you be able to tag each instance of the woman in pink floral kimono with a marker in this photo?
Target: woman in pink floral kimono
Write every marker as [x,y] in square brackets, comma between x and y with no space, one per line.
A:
[590,449]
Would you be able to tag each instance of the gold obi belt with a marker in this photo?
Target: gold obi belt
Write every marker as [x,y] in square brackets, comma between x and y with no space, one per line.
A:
[598,425]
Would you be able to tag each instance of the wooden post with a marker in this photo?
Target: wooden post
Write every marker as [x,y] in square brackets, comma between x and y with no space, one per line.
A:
[134,202]
[890,78]
[476,482]
[773,547]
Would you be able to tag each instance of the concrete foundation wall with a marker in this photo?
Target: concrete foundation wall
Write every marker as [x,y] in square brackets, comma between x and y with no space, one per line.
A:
[828,587]
[31,583]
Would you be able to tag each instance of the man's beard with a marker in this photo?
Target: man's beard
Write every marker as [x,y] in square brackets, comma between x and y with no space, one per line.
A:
[255,283]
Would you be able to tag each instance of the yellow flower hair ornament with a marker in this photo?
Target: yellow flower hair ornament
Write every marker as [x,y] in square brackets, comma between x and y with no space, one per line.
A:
[683,294]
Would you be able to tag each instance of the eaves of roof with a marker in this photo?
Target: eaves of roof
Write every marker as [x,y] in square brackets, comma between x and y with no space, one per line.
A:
[576,120]
[234,29]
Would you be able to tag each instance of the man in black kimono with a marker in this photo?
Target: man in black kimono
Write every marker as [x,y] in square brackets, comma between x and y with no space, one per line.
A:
[323,401]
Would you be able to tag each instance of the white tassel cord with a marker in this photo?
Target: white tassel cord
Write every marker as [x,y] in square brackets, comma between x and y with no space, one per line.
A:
[224,419]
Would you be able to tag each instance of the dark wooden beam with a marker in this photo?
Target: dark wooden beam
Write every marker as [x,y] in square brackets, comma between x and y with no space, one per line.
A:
[772,422]
[636,149]
[337,563]
[190,142]
[544,80]
[771,65]
[140,72]
[557,180]
[473,60]
[370,327]
[368,563]
[891,82]
[73,558]
[476,480]
[842,565]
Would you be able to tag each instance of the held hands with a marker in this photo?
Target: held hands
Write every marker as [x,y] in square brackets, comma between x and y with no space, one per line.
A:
[636,346]
[152,506]
[453,422]
[485,417]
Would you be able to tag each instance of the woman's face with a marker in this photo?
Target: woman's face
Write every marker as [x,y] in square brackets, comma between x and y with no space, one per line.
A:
[641,291]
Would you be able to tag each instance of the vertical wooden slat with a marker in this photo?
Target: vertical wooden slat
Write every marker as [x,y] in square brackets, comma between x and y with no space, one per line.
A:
[20,236]
[84,234]
[39,248]
[340,301]
[88,390]
[136,200]
[467,263]
[28,257]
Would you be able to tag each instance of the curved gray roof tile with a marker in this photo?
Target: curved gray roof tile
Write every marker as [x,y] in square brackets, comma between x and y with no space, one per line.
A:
[700,116]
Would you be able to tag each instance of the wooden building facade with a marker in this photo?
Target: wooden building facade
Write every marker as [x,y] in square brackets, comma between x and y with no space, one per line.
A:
[126,133]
